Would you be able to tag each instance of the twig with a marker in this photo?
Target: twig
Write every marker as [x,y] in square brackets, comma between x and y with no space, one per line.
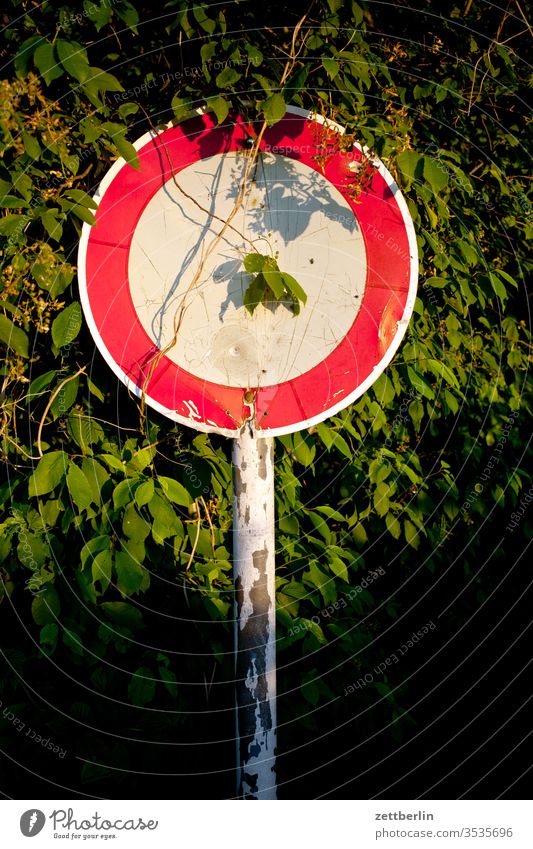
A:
[524,17]
[208,517]
[197,537]
[50,402]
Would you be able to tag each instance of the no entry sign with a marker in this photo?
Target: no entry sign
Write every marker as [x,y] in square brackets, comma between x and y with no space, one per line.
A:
[163,284]
[355,257]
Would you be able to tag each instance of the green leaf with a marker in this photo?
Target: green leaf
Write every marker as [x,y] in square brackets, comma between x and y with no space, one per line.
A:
[78,487]
[142,458]
[14,337]
[93,547]
[130,574]
[227,78]
[341,445]
[303,448]
[331,513]
[45,606]
[339,568]
[24,54]
[498,287]
[134,526]
[123,614]
[100,14]
[325,434]
[208,51]
[275,283]
[73,57]
[206,23]
[409,164]
[310,690]
[254,55]
[81,197]
[384,390]
[331,67]
[127,109]
[97,477]
[13,202]
[420,384]
[73,641]
[274,108]
[49,472]
[294,287]
[141,689]
[144,493]
[52,225]
[411,534]
[416,411]
[182,108]
[127,151]
[67,325]
[123,493]
[393,525]
[46,63]
[101,569]
[296,83]
[468,251]
[31,145]
[315,630]
[220,107]
[40,383]
[129,15]
[253,263]
[12,224]
[435,174]
[113,462]
[79,211]
[381,498]
[169,680]
[166,523]
[84,430]
[442,370]
[254,294]
[65,398]
[175,491]
[48,637]
[104,81]
[52,280]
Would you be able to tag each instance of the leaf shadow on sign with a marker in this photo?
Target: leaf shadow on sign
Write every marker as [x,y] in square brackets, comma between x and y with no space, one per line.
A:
[292,200]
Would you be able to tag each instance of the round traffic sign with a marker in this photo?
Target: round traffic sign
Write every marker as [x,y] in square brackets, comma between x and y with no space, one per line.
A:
[166,309]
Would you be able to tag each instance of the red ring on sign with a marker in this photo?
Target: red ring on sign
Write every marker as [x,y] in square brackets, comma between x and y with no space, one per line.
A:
[285,407]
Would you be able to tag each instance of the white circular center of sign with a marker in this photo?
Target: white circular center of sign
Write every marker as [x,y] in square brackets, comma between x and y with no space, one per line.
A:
[289,210]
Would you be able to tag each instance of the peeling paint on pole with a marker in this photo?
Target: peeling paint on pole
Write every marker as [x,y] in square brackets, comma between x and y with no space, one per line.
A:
[255,615]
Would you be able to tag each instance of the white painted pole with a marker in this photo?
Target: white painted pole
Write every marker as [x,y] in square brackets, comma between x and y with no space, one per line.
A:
[255,615]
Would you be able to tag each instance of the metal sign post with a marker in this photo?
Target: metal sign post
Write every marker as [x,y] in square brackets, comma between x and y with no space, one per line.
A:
[168,316]
[255,614]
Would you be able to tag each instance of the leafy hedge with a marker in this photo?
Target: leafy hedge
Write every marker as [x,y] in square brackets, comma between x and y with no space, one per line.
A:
[116,536]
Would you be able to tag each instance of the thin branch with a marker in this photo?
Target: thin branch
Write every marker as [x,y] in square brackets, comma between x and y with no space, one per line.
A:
[208,517]
[197,537]
[51,401]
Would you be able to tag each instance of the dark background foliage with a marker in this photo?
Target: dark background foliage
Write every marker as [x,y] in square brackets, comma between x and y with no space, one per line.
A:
[418,494]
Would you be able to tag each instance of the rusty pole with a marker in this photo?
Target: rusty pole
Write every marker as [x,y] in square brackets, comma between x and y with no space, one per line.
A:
[255,615]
